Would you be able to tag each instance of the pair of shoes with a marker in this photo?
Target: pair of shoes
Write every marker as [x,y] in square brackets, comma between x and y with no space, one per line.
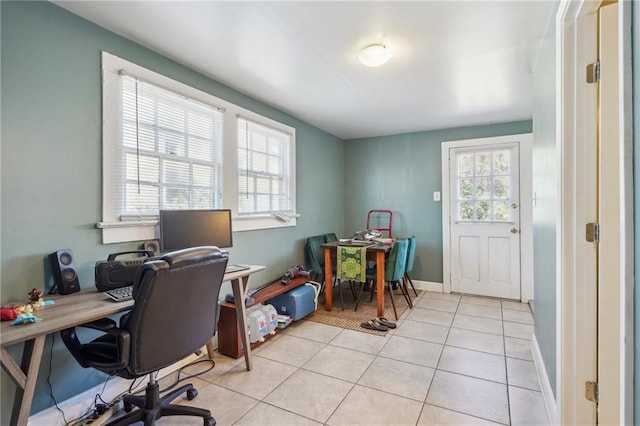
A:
[374,325]
[380,324]
[385,322]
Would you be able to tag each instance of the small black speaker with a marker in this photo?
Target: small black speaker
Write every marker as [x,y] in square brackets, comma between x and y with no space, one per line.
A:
[152,246]
[64,271]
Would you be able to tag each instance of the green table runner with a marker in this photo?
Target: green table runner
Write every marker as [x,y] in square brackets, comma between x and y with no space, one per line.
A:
[352,263]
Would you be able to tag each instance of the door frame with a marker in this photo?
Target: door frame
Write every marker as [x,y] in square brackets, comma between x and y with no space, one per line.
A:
[574,328]
[526,208]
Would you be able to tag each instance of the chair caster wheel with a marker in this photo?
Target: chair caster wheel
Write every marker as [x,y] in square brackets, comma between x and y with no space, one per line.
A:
[127,407]
[192,393]
[210,422]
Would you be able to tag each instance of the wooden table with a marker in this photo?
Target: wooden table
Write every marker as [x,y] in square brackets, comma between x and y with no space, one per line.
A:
[72,310]
[375,253]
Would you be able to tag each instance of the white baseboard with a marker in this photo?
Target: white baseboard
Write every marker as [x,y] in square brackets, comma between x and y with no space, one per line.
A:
[550,404]
[78,405]
[428,286]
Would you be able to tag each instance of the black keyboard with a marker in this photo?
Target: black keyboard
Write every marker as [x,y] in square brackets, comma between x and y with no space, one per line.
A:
[121,294]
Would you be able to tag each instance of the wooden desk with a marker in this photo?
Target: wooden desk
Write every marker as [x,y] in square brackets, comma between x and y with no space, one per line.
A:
[239,292]
[375,253]
[72,310]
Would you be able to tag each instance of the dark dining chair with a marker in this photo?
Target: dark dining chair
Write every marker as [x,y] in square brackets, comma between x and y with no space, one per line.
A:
[314,257]
[173,315]
[411,254]
[394,269]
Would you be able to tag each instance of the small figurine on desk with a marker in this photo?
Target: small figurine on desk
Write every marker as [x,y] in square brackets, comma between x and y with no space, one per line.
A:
[35,297]
[25,319]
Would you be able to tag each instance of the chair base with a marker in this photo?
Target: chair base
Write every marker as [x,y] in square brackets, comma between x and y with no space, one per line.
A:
[152,407]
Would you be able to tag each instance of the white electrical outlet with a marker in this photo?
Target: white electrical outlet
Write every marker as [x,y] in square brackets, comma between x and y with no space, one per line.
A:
[436,196]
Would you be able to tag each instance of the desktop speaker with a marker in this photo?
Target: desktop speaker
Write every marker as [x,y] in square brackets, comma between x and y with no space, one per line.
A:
[152,246]
[64,271]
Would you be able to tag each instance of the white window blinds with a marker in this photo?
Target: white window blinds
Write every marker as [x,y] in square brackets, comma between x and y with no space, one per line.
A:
[171,151]
[264,168]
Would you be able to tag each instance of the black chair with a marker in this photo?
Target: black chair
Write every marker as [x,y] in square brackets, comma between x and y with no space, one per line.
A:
[173,315]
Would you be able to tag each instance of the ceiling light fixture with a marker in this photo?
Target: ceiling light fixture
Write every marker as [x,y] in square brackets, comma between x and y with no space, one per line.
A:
[374,55]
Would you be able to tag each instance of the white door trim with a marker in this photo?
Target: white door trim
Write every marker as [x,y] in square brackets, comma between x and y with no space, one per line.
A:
[526,207]
[575,335]
[575,349]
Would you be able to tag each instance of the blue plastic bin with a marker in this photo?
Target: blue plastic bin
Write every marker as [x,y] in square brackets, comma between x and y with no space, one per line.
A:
[297,303]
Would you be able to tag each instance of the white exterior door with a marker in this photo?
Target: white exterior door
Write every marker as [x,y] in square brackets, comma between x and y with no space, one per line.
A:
[484,209]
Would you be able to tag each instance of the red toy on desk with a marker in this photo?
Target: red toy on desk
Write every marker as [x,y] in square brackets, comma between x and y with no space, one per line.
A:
[20,315]
[8,314]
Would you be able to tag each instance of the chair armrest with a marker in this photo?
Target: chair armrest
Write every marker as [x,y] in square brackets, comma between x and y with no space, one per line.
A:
[102,324]
[109,327]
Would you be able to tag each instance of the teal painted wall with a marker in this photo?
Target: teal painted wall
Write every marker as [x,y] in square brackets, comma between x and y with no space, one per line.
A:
[51,166]
[545,186]
[400,173]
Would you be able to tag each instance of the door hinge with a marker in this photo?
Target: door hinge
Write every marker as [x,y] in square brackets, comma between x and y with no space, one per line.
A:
[593,72]
[592,232]
[591,391]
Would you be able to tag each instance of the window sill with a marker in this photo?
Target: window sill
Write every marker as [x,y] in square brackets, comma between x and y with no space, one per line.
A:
[254,223]
[121,232]
[127,231]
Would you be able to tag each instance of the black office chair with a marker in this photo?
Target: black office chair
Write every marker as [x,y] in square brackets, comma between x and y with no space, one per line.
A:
[173,315]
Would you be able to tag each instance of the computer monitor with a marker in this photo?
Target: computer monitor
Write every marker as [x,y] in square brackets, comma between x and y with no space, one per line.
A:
[192,228]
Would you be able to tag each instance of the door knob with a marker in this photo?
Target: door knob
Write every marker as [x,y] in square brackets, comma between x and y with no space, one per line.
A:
[514,230]
[514,205]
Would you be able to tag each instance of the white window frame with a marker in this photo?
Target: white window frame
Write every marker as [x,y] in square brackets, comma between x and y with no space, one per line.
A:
[115,230]
[513,171]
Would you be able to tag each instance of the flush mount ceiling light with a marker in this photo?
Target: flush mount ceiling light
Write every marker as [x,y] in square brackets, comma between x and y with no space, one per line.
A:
[374,55]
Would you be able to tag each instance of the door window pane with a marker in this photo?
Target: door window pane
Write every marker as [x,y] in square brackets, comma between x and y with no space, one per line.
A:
[484,185]
[482,163]
[465,164]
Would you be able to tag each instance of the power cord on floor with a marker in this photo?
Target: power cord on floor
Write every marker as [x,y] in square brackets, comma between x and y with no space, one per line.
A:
[178,379]
[53,398]
[99,408]
[95,410]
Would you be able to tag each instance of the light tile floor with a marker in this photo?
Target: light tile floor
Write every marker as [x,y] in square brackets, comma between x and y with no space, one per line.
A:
[452,360]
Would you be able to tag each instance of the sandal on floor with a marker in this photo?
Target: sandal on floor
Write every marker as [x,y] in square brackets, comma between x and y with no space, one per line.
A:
[385,322]
[374,325]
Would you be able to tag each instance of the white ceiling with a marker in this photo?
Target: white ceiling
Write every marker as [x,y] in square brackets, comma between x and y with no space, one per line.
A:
[455,63]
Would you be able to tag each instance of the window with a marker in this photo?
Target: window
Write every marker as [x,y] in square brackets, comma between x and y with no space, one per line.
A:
[484,185]
[263,169]
[170,146]
[171,151]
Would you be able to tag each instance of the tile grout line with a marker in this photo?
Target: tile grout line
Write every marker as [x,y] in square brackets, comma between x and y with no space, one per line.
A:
[506,367]
[435,370]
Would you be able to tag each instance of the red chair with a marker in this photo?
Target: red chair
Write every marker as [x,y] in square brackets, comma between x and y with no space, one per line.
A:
[380,216]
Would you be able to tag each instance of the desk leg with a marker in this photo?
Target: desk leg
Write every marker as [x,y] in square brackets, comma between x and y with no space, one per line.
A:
[328,274]
[210,349]
[239,292]
[24,376]
[380,282]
